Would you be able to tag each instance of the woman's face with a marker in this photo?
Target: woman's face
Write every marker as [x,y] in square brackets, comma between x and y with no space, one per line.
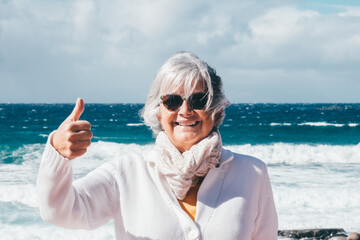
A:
[185,126]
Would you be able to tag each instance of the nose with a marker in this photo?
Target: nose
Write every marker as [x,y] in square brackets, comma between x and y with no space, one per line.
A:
[185,109]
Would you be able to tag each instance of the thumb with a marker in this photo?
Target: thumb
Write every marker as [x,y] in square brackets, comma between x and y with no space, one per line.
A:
[78,110]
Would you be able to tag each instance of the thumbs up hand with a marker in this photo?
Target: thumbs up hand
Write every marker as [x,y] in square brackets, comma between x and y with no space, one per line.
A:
[73,136]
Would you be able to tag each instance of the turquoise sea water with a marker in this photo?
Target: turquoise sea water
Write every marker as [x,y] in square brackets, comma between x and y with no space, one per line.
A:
[312,152]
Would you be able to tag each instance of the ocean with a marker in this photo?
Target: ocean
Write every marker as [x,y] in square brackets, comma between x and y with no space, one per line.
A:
[312,152]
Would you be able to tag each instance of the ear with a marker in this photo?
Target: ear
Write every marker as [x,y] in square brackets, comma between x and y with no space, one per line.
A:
[218,114]
[159,118]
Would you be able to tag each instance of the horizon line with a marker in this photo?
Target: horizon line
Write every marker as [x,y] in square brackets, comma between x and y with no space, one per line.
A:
[138,103]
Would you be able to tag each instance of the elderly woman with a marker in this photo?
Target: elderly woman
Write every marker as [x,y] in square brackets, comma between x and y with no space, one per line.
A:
[188,187]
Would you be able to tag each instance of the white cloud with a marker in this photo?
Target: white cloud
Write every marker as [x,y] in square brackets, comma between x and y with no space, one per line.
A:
[350,11]
[280,25]
[109,51]
[287,37]
[84,14]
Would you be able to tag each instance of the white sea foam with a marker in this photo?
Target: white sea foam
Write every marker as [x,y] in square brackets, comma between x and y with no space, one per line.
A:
[318,196]
[301,154]
[134,124]
[19,193]
[280,124]
[321,124]
[25,232]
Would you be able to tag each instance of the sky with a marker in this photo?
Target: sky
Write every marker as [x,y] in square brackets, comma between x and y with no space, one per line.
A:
[109,51]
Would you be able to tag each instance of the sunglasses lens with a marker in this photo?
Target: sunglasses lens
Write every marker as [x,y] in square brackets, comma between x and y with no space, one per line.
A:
[198,100]
[172,101]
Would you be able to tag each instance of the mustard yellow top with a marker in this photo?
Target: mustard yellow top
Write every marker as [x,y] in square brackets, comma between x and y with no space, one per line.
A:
[188,204]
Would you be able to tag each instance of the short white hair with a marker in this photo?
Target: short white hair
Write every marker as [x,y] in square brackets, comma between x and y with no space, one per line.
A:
[186,70]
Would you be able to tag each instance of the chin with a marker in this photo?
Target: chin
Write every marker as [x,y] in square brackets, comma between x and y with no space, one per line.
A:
[188,138]
[186,144]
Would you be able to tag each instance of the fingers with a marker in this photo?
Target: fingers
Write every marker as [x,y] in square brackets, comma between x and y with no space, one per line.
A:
[76,148]
[79,126]
[80,136]
[78,110]
[75,154]
[80,145]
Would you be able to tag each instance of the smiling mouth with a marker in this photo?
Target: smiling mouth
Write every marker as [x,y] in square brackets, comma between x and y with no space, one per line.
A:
[187,124]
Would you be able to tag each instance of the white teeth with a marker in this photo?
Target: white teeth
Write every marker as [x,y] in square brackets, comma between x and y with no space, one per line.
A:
[186,123]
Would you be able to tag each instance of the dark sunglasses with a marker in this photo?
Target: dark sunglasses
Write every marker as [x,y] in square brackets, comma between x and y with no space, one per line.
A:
[173,101]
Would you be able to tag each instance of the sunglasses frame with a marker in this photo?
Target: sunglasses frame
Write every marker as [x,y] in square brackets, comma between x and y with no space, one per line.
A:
[190,103]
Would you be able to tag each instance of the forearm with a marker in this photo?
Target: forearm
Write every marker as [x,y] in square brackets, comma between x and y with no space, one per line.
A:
[55,191]
[87,203]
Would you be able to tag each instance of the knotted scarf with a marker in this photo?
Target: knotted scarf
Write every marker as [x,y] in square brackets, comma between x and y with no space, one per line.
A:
[182,170]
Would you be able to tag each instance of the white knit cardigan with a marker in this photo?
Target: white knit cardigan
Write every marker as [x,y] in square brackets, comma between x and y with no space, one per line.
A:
[235,200]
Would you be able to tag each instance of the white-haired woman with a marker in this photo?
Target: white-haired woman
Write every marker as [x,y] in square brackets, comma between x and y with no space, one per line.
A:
[188,187]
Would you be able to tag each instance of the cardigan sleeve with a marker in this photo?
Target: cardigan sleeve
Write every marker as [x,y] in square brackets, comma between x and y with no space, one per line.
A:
[266,223]
[83,204]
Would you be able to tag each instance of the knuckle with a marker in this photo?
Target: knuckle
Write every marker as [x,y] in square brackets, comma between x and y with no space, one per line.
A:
[69,154]
[87,125]
[69,137]
[68,127]
[72,155]
[72,147]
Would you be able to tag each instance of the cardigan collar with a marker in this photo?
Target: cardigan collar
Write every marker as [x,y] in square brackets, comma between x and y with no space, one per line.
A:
[226,157]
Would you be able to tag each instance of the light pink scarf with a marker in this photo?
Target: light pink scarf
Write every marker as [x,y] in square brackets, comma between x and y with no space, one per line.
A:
[182,170]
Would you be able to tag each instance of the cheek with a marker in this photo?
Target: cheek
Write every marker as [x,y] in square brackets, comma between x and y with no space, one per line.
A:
[208,121]
[165,119]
